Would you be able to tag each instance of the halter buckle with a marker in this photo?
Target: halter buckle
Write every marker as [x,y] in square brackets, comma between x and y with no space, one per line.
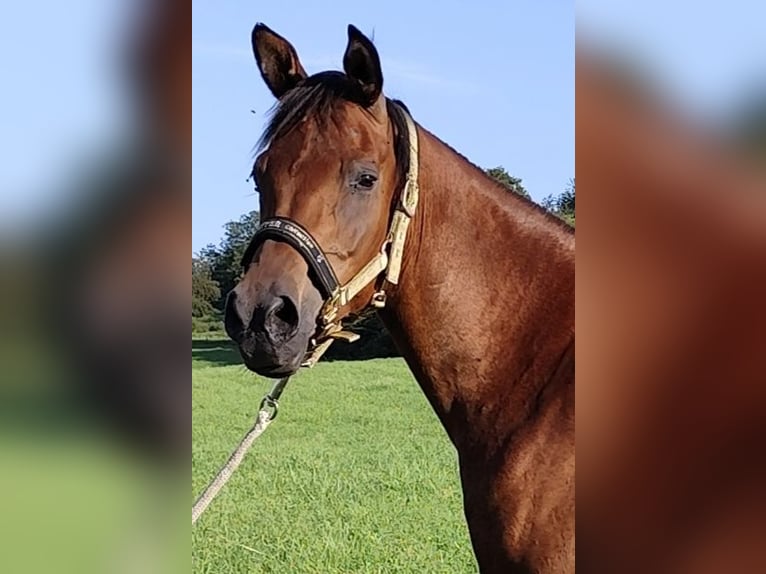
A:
[330,309]
[379,299]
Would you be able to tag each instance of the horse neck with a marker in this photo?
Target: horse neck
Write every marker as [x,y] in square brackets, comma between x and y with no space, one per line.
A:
[484,312]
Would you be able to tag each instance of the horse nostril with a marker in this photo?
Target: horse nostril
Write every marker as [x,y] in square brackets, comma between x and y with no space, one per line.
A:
[281,320]
[287,312]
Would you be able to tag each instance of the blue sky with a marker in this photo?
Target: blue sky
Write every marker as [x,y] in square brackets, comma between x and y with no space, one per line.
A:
[493,80]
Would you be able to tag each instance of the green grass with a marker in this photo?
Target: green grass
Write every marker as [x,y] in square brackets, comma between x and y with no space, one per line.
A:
[356,474]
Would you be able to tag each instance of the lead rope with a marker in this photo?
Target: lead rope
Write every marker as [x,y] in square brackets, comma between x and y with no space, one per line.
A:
[266,415]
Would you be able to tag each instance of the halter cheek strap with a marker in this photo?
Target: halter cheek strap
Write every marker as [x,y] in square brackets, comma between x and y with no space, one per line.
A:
[388,259]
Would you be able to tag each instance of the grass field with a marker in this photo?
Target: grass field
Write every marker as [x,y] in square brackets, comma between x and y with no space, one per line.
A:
[355,476]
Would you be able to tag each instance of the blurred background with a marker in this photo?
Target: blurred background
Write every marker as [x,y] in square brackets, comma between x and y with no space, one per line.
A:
[95,218]
[95,231]
[671,276]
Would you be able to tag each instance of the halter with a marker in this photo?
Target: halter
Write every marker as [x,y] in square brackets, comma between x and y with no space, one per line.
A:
[388,259]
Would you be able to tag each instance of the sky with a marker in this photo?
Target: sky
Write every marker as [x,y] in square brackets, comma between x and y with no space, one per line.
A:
[493,80]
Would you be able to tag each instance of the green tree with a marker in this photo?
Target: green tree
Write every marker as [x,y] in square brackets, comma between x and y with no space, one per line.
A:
[205,290]
[225,259]
[506,179]
[563,205]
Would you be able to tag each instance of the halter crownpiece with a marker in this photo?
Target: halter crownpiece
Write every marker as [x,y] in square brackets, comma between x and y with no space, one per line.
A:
[388,259]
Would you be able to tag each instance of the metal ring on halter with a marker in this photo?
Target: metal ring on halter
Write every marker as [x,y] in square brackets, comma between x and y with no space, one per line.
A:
[269,403]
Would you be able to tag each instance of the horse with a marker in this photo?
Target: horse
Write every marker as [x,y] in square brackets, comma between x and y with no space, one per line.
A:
[363,207]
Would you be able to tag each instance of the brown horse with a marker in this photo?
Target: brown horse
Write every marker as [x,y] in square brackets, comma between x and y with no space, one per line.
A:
[483,310]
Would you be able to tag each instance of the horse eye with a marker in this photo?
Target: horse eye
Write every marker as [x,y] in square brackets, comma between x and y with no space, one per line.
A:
[366,181]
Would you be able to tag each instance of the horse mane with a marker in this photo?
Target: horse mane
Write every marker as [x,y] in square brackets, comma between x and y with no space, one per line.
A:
[316,97]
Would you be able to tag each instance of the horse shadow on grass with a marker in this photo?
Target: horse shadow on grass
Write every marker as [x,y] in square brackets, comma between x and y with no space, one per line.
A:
[223,352]
[215,352]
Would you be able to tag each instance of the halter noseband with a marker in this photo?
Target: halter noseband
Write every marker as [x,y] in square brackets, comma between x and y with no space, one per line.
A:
[388,259]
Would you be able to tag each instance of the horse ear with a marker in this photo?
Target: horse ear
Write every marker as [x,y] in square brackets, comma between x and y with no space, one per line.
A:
[362,64]
[277,60]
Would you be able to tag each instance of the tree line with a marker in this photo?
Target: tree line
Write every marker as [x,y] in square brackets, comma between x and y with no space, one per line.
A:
[216,270]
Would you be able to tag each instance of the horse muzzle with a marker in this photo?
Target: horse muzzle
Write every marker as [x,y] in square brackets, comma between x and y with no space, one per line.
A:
[273,343]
